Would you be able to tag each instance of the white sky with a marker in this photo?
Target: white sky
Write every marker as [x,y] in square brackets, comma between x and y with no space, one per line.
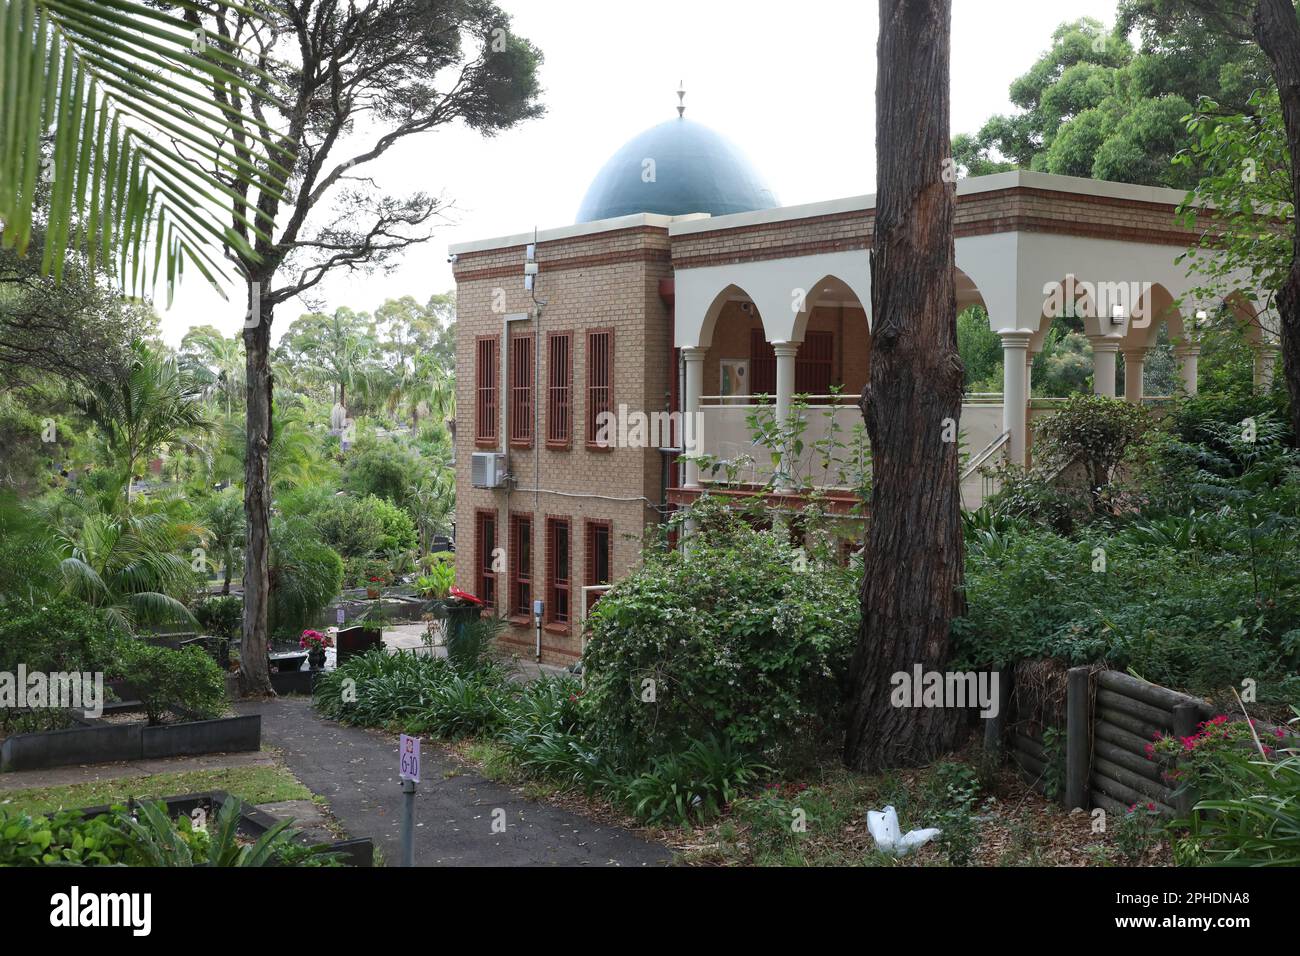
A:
[792,84]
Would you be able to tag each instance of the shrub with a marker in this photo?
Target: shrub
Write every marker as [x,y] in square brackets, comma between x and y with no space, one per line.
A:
[61,634]
[65,837]
[221,616]
[184,681]
[305,575]
[691,785]
[1185,602]
[739,633]
[364,527]
[383,468]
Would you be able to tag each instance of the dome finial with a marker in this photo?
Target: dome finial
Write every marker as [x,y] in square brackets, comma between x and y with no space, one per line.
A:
[681,99]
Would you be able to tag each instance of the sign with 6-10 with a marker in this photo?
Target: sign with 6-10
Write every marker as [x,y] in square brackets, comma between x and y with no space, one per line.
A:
[410,758]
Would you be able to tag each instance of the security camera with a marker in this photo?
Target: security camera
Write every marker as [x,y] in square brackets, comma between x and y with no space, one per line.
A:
[452,257]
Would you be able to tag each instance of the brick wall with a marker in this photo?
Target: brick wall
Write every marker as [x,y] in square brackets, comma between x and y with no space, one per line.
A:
[602,281]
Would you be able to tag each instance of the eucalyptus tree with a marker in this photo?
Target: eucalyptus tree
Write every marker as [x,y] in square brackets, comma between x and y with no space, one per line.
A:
[358,77]
[913,556]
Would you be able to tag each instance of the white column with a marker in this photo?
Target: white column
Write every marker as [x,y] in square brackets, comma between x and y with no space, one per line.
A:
[785,356]
[692,420]
[1104,350]
[1015,390]
[1187,356]
[1265,356]
[1029,374]
[1135,361]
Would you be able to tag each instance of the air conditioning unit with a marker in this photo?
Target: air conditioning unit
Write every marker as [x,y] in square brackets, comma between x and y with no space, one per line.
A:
[488,470]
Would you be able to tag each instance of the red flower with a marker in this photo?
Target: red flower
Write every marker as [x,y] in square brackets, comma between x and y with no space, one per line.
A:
[465,596]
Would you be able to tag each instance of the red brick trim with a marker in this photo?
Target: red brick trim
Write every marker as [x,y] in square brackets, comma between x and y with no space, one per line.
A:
[837,504]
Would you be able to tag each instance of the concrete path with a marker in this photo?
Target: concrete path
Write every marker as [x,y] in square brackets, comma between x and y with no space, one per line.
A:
[356,771]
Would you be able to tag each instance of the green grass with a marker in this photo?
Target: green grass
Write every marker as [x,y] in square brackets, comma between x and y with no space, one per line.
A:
[266,784]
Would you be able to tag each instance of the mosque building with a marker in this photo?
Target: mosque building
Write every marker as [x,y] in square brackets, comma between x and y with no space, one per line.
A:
[610,371]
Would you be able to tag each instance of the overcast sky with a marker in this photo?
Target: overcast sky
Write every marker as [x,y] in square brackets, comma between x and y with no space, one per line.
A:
[792,84]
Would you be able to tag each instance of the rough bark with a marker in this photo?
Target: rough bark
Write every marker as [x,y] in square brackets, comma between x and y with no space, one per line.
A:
[913,567]
[254,672]
[1278,34]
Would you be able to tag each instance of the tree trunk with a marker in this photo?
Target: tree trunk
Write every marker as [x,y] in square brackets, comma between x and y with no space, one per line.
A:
[912,404]
[254,674]
[225,584]
[1278,34]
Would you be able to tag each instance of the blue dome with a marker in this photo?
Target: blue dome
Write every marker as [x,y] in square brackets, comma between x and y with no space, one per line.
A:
[695,170]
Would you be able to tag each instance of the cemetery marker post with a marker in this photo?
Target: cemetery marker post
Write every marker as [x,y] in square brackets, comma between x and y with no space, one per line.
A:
[409,770]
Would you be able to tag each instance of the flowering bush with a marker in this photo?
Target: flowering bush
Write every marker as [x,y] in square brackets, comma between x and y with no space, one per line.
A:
[1246,780]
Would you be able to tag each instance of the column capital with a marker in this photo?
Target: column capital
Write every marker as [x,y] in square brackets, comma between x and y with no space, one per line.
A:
[1015,338]
[786,349]
[694,353]
[1135,353]
[1104,343]
[1187,349]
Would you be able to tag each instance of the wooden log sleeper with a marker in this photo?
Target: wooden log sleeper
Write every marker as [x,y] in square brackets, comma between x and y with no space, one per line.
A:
[1157,716]
[1127,795]
[1127,759]
[1153,694]
[1144,731]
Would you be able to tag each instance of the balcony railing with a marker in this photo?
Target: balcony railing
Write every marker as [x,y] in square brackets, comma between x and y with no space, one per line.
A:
[834,442]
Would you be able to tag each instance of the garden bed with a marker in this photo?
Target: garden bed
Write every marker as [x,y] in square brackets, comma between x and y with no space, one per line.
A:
[252,823]
[116,742]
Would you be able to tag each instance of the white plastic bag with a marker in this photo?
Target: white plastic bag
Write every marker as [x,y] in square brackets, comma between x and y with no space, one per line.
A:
[883,825]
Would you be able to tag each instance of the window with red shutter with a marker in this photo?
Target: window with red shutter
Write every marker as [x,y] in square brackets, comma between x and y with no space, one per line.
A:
[559,389]
[485,390]
[521,565]
[600,384]
[557,571]
[521,391]
[485,545]
[600,557]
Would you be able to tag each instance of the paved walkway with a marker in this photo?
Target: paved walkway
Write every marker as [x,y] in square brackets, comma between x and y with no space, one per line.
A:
[356,771]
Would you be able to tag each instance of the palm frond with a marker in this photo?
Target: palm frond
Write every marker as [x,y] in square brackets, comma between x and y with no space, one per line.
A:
[89,90]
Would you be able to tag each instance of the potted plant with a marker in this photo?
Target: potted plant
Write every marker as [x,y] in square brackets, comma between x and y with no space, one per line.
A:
[314,642]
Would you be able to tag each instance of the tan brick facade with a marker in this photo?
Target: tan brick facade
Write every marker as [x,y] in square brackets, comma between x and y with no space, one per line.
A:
[609,281]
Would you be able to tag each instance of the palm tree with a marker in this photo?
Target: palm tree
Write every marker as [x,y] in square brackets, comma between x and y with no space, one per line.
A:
[224,518]
[431,502]
[423,384]
[150,403]
[220,357]
[103,83]
[128,567]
